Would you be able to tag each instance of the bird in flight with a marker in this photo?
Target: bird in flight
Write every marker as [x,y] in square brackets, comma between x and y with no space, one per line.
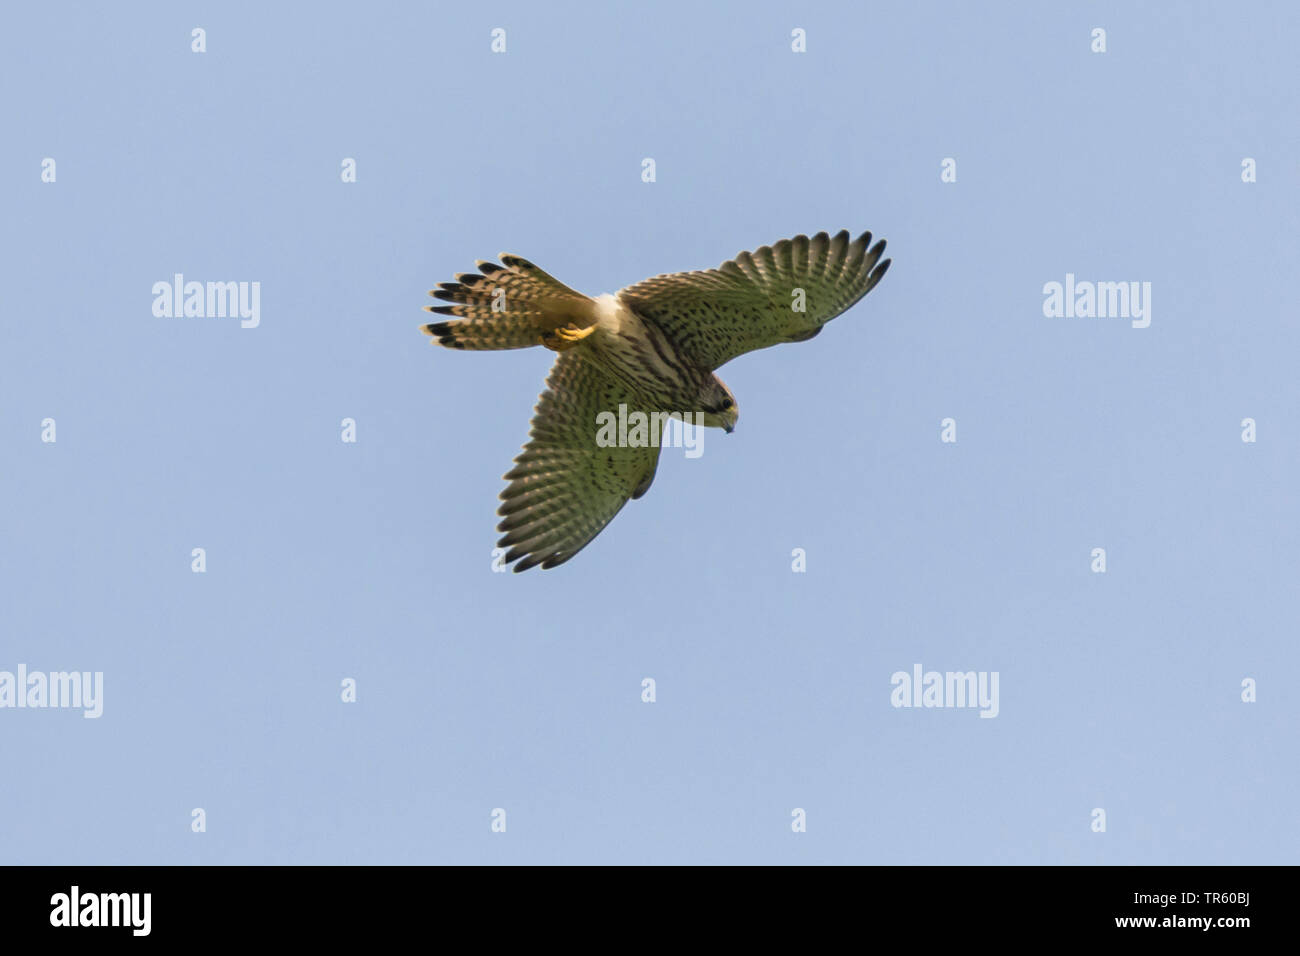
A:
[652,347]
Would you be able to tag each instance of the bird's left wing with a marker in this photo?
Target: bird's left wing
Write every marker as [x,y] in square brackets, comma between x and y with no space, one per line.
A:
[780,293]
[570,481]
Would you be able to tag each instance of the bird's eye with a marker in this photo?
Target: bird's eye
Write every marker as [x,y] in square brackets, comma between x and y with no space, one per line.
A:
[726,403]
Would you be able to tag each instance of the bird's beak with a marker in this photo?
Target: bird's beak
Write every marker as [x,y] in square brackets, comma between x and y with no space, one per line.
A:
[728,428]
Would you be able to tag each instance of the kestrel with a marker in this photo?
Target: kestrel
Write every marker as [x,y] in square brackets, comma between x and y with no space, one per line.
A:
[652,347]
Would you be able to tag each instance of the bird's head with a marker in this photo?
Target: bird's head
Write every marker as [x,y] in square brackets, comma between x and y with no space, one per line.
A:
[719,406]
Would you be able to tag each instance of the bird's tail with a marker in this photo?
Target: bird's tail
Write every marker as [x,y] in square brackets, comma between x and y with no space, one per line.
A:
[509,306]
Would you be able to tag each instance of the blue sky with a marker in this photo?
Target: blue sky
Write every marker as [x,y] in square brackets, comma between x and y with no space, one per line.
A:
[371,560]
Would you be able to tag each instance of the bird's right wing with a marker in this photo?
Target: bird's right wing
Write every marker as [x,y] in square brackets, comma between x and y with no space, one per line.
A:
[780,293]
[565,487]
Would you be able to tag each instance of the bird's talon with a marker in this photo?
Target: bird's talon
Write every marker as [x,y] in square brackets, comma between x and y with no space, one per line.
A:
[562,339]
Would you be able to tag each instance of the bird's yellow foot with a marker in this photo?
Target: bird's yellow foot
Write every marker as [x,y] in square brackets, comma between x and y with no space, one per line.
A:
[559,340]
